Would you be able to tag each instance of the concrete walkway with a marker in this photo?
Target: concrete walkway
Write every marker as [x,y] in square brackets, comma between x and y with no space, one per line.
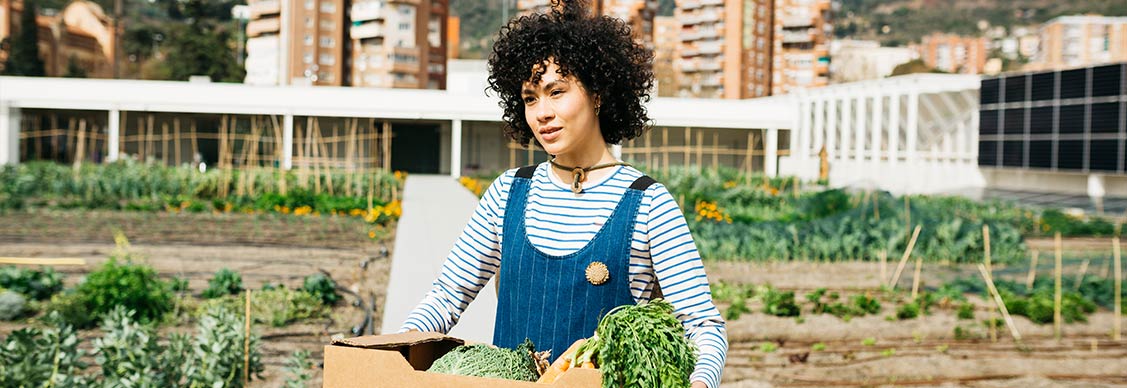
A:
[435,210]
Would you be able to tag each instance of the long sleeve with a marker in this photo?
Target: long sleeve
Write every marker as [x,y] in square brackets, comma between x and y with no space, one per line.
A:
[474,259]
[680,273]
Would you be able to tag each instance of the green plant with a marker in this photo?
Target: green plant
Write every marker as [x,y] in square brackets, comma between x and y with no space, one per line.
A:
[737,308]
[966,311]
[768,347]
[217,352]
[780,304]
[909,310]
[322,287]
[49,357]
[640,346]
[869,341]
[818,347]
[36,284]
[298,368]
[275,307]
[12,305]
[178,284]
[487,361]
[225,282]
[131,285]
[888,352]
[128,353]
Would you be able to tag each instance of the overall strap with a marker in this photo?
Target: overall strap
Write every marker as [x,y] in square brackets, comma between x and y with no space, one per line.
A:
[526,172]
[642,183]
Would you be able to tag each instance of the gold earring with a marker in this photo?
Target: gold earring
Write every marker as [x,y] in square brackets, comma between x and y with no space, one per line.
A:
[597,110]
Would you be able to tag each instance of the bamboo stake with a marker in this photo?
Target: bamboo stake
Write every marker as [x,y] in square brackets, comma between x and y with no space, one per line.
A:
[150,133]
[986,248]
[70,137]
[1117,327]
[313,130]
[80,148]
[1056,288]
[176,138]
[246,344]
[665,151]
[164,143]
[999,303]
[916,278]
[387,146]
[700,151]
[904,259]
[195,142]
[715,147]
[1032,270]
[43,260]
[876,208]
[883,266]
[1080,275]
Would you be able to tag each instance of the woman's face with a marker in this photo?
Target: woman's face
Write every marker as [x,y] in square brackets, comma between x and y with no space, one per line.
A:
[561,113]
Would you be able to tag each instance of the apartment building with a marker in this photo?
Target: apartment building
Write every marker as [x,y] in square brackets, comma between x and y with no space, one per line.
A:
[666,43]
[801,59]
[725,48]
[1072,41]
[639,14]
[373,43]
[953,54]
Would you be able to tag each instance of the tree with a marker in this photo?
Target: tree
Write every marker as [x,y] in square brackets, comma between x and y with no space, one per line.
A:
[74,70]
[913,66]
[24,58]
[203,46]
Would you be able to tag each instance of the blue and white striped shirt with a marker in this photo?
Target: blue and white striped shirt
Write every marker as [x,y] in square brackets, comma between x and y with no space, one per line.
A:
[559,222]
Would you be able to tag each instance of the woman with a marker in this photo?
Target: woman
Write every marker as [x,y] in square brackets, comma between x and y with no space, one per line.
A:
[577,236]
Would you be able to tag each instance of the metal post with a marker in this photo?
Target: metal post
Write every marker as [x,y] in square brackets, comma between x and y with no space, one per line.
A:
[9,135]
[770,151]
[910,139]
[287,141]
[894,130]
[877,128]
[114,140]
[859,130]
[456,148]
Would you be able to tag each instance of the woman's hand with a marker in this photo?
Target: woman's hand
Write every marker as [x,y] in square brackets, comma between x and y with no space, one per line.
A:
[698,384]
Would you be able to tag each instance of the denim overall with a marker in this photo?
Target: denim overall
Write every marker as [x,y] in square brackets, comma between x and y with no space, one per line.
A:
[547,298]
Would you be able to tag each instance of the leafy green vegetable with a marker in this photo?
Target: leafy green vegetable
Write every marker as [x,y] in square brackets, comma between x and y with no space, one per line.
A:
[132,285]
[36,284]
[641,346]
[12,305]
[486,361]
[322,287]
[225,282]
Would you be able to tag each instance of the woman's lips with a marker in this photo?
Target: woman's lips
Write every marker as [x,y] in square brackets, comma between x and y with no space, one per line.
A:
[549,134]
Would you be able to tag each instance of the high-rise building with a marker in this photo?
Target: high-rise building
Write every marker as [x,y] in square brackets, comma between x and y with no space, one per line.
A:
[726,47]
[803,30]
[377,43]
[953,53]
[667,40]
[399,43]
[639,14]
[1071,41]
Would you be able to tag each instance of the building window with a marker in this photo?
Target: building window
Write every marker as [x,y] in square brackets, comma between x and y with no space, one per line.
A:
[327,59]
[309,4]
[328,7]
[406,10]
[308,22]
[307,58]
[328,25]
[308,40]
[327,41]
[404,26]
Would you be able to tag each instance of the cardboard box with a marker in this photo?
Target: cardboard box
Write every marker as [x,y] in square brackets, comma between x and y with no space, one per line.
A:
[401,360]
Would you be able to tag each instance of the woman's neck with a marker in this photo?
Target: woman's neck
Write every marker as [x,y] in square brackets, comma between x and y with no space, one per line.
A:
[586,158]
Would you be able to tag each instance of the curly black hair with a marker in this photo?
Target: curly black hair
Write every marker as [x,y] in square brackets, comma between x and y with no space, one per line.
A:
[598,50]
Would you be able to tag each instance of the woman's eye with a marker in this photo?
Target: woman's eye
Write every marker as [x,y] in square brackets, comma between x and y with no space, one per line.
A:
[557,92]
[529,100]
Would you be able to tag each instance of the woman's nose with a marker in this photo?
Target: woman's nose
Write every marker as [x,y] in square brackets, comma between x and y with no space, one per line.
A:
[544,112]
